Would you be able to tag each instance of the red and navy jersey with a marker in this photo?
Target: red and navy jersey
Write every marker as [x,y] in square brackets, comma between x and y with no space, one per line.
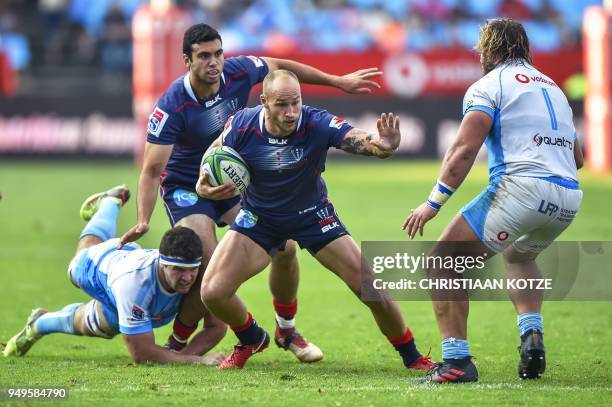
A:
[285,171]
[192,124]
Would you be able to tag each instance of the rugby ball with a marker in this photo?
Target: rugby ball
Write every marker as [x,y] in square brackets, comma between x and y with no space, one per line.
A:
[225,166]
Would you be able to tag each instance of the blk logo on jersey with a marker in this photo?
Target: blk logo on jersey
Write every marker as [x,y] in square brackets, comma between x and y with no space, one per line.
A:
[184,198]
[337,122]
[212,102]
[156,121]
[278,141]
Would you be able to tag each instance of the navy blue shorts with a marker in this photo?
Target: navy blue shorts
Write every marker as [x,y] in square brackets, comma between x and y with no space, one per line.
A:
[312,230]
[181,202]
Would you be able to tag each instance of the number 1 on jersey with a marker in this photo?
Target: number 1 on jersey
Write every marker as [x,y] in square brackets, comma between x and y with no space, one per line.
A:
[551,109]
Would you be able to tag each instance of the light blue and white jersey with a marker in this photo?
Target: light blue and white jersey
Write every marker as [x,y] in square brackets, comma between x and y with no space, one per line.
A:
[126,281]
[533,134]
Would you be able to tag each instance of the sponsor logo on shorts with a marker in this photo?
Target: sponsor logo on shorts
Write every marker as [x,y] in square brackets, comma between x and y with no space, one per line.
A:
[184,198]
[331,226]
[503,235]
[156,121]
[323,213]
[246,219]
[138,313]
[548,208]
[557,141]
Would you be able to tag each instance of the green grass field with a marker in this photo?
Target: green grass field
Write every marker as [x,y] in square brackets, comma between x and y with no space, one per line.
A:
[39,227]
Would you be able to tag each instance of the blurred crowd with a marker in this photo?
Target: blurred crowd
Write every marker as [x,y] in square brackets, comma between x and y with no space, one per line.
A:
[38,33]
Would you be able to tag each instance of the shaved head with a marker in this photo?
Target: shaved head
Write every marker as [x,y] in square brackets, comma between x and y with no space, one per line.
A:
[278,79]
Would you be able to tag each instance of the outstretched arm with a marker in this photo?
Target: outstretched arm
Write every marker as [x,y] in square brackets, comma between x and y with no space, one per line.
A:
[156,157]
[456,165]
[211,334]
[143,349]
[358,141]
[355,82]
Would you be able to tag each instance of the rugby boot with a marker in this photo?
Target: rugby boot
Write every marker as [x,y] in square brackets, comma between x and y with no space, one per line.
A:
[446,372]
[533,359]
[423,362]
[306,352]
[91,205]
[242,353]
[21,343]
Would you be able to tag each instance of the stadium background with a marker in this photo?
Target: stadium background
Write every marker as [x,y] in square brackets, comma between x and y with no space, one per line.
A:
[71,123]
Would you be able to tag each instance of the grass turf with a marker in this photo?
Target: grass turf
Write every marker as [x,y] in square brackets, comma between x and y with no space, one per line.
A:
[40,226]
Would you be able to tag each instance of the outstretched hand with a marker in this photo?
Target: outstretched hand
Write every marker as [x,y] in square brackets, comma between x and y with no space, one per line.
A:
[205,190]
[359,81]
[389,136]
[417,219]
[135,233]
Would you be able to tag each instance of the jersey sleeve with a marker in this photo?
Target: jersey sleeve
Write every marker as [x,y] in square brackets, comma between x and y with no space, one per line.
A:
[256,68]
[230,136]
[165,125]
[133,298]
[482,96]
[333,128]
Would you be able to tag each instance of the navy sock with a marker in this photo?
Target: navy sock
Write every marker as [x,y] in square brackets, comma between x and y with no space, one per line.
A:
[406,347]
[250,333]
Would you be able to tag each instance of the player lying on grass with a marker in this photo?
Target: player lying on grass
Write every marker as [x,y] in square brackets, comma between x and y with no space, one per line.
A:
[187,119]
[134,290]
[285,145]
[533,196]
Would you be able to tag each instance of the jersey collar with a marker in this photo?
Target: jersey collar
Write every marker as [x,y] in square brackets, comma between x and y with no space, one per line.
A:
[262,116]
[189,89]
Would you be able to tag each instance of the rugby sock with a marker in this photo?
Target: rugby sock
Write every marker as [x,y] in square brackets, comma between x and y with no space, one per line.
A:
[285,317]
[59,321]
[250,333]
[104,223]
[456,351]
[180,334]
[406,347]
[528,321]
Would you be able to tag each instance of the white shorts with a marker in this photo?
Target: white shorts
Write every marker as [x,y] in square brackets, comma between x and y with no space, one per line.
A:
[528,212]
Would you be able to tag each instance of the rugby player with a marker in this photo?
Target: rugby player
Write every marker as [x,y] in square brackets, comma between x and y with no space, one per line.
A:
[285,146]
[186,120]
[134,290]
[526,123]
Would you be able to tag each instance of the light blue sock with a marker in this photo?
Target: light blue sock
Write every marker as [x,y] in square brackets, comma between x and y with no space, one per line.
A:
[528,321]
[104,223]
[455,349]
[59,321]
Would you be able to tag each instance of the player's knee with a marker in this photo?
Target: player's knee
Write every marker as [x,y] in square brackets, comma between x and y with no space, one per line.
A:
[289,253]
[214,292]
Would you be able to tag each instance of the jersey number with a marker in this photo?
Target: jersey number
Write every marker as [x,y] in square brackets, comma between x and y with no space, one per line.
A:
[551,109]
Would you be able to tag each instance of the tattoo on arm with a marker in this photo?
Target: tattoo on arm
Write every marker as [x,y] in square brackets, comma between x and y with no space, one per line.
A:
[357,141]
